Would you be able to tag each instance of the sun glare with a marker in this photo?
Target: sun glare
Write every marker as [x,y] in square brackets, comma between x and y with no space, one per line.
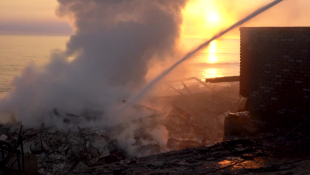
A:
[203,19]
[213,17]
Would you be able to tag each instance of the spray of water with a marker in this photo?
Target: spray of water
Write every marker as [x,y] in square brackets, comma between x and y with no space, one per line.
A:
[191,53]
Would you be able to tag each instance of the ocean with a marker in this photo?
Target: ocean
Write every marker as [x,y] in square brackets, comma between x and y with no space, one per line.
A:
[16,52]
[221,58]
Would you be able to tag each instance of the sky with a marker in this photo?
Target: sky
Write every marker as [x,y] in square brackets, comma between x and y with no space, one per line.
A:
[204,18]
[201,18]
[31,17]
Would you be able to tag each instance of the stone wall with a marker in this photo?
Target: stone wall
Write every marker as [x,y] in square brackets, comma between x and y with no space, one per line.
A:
[275,68]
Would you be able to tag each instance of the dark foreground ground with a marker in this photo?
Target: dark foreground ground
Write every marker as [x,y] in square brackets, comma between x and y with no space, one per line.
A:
[275,152]
[280,151]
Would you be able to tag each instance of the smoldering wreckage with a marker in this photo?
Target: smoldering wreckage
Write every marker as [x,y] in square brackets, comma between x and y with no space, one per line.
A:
[194,119]
[205,139]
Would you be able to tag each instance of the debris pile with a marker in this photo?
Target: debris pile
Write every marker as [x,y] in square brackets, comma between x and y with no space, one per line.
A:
[59,151]
[262,154]
[198,119]
[194,120]
[243,124]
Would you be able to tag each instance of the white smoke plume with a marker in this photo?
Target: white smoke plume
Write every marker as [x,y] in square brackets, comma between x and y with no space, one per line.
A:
[113,45]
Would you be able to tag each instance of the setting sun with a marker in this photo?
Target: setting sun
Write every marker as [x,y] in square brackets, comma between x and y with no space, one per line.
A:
[203,18]
[213,17]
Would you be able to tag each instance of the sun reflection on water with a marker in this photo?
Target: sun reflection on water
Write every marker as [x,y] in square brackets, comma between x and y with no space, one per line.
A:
[211,73]
[212,50]
[211,58]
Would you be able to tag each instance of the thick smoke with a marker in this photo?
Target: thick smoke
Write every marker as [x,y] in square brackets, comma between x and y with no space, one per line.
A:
[113,45]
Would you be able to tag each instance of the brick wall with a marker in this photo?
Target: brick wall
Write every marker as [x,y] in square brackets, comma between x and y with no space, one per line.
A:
[275,68]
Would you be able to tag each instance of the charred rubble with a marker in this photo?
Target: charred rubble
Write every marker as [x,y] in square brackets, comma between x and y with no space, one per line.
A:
[193,120]
[261,154]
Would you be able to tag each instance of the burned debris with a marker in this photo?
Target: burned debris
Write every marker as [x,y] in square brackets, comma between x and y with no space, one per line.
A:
[259,154]
[57,151]
[187,124]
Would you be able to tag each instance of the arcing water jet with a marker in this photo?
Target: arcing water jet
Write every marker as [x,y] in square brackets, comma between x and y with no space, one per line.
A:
[191,53]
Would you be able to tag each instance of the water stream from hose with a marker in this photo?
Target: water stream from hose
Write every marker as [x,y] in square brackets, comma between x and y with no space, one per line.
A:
[146,88]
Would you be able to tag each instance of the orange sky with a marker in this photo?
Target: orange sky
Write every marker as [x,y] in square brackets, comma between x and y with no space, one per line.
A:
[19,10]
[202,18]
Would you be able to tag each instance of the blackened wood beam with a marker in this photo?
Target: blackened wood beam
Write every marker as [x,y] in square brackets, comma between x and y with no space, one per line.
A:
[223,79]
